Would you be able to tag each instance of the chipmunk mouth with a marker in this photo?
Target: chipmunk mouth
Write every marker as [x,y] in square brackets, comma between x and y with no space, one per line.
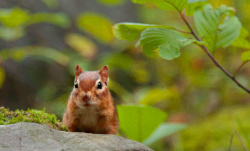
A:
[86,104]
[81,104]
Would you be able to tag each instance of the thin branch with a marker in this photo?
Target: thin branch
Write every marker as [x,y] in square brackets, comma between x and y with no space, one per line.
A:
[179,12]
[231,140]
[239,68]
[186,21]
[204,48]
[186,32]
[241,140]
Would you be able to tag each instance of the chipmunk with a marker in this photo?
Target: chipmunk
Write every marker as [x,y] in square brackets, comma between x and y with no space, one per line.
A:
[90,106]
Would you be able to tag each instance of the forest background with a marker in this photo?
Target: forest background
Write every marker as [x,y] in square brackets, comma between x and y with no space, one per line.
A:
[41,42]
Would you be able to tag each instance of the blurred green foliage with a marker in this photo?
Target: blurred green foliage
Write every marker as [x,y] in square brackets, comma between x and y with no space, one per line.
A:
[19,54]
[111,2]
[245,56]
[41,42]
[241,41]
[13,17]
[81,44]
[16,19]
[51,3]
[214,133]
[96,25]
[2,76]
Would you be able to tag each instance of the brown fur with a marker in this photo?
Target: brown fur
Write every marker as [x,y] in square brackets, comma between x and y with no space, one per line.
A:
[89,109]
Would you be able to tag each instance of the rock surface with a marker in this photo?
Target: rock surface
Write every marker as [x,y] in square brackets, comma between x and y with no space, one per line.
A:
[32,136]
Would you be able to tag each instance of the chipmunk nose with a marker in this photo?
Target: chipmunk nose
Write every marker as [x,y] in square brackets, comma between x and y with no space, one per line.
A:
[85,98]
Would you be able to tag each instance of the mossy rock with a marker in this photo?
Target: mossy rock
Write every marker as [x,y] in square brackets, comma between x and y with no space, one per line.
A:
[31,115]
[214,133]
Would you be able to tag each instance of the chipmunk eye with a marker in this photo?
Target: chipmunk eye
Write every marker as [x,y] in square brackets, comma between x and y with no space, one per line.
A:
[99,85]
[76,85]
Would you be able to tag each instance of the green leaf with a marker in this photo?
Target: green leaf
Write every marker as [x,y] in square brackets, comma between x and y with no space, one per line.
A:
[228,31]
[164,130]
[245,56]
[217,27]
[59,19]
[119,61]
[165,4]
[195,1]
[194,4]
[111,2]
[13,17]
[164,41]
[155,95]
[16,17]
[138,122]
[10,34]
[99,26]
[81,44]
[242,41]
[2,76]
[44,53]
[131,31]
[51,3]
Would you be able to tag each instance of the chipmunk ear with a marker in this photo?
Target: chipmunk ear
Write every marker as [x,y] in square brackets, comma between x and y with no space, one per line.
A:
[78,71]
[104,72]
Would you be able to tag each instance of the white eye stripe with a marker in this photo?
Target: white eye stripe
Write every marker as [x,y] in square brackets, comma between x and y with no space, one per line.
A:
[97,81]
[103,86]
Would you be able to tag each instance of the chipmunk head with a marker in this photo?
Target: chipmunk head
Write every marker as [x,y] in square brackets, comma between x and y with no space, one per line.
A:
[90,86]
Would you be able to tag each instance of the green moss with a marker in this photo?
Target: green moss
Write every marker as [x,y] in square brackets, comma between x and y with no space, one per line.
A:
[31,115]
[214,133]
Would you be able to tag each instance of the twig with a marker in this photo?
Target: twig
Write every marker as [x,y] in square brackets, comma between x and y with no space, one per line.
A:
[186,32]
[239,68]
[231,140]
[204,48]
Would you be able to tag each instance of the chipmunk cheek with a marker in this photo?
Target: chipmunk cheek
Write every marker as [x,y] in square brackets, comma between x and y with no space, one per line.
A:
[97,94]
[75,94]
[102,93]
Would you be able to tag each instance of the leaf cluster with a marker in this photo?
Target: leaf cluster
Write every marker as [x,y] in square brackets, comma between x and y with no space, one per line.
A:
[218,27]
